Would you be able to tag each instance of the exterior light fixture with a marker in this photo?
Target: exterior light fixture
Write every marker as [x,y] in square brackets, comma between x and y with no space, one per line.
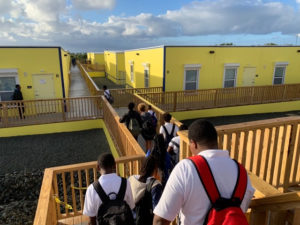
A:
[298,50]
[211,52]
[137,53]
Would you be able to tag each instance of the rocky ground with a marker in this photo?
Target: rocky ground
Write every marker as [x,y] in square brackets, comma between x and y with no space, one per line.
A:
[23,160]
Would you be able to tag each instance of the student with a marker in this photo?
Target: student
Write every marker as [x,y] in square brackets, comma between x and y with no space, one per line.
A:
[153,115]
[174,146]
[18,96]
[146,190]
[165,164]
[132,120]
[168,130]
[148,130]
[107,94]
[184,191]
[110,183]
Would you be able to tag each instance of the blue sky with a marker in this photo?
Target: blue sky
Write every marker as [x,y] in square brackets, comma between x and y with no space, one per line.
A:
[96,25]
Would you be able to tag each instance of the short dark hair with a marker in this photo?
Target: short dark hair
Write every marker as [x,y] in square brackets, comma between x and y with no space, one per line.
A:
[131,106]
[104,87]
[18,86]
[149,107]
[203,132]
[167,117]
[106,161]
[148,167]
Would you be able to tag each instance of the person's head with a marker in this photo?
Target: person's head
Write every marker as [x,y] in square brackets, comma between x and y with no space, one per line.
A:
[104,87]
[202,135]
[167,117]
[149,168]
[106,163]
[142,107]
[182,127]
[18,86]
[149,107]
[131,106]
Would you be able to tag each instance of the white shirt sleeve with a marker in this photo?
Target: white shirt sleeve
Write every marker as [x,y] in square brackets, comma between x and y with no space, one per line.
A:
[90,207]
[248,196]
[162,131]
[172,198]
[128,196]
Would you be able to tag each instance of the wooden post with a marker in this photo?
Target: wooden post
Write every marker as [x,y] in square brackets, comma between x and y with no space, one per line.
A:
[174,101]
[63,110]
[5,114]
[290,153]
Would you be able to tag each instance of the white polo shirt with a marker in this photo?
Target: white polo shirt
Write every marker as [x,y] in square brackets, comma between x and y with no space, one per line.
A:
[173,142]
[110,183]
[184,191]
[169,127]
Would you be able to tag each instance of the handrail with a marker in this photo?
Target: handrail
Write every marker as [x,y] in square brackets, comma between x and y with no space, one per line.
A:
[223,97]
[32,112]
[89,81]
[123,139]
[262,147]
[60,182]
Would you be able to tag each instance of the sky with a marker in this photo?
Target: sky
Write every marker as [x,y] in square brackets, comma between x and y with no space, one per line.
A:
[98,25]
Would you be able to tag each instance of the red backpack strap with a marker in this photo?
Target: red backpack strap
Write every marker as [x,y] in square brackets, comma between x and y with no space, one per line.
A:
[206,177]
[241,183]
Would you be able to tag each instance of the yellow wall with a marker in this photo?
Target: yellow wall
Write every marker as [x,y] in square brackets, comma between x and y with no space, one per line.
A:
[29,61]
[238,110]
[212,70]
[153,57]
[66,63]
[96,57]
[114,65]
[97,74]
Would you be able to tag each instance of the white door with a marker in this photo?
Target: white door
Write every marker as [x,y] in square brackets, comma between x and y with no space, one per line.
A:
[249,76]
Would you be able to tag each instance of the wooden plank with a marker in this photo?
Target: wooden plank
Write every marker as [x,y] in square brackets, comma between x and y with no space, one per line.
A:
[259,152]
[262,186]
[65,192]
[268,150]
[252,151]
[73,193]
[244,150]
[273,155]
[80,190]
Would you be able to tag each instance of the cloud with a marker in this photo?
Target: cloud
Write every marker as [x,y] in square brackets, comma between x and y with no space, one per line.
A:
[94,4]
[39,22]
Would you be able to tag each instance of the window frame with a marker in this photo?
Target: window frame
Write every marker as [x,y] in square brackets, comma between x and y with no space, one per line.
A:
[280,65]
[187,67]
[131,64]
[9,73]
[230,66]
[146,68]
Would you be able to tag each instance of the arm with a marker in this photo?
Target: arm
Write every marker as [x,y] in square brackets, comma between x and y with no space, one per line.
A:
[123,119]
[160,221]
[170,150]
[92,221]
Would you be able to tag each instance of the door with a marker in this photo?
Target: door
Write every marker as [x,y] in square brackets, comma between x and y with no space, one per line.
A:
[249,76]
[43,86]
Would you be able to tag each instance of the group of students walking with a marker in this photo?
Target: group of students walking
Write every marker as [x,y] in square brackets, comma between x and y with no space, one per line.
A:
[208,188]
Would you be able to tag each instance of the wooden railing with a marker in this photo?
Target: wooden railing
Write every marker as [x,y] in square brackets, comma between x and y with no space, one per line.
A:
[276,210]
[94,67]
[223,97]
[31,112]
[123,139]
[269,149]
[92,86]
[68,184]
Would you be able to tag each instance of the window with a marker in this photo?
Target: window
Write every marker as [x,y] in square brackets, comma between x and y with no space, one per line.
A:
[131,72]
[230,75]
[146,73]
[279,73]
[8,81]
[191,75]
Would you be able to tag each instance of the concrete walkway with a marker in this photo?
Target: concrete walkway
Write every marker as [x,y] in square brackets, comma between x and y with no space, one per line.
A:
[78,86]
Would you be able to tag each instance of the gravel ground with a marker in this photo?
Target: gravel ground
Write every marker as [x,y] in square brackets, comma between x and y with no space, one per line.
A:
[224,120]
[23,160]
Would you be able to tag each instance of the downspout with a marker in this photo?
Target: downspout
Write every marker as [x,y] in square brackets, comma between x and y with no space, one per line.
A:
[61,72]
[164,70]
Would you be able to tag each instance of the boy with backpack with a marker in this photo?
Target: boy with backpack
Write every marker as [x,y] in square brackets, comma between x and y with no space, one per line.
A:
[168,130]
[208,188]
[133,121]
[108,201]
[107,94]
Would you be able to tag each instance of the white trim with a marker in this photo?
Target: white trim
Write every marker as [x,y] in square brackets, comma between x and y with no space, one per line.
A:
[146,68]
[131,62]
[281,64]
[131,72]
[146,65]
[231,65]
[138,49]
[235,75]
[197,77]
[9,71]
[192,65]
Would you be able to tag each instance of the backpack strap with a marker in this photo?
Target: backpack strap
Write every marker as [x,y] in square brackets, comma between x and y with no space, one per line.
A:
[102,195]
[173,128]
[241,183]
[206,177]
[166,131]
[176,144]
[122,190]
[150,184]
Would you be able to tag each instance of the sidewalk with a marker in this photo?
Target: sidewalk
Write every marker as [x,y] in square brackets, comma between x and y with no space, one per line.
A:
[78,87]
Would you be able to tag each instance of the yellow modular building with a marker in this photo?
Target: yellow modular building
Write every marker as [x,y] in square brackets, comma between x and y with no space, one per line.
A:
[202,67]
[42,72]
[115,66]
[96,57]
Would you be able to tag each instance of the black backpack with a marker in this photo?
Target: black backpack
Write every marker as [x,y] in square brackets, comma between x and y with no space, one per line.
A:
[113,212]
[148,130]
[143,208]
[170,136]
